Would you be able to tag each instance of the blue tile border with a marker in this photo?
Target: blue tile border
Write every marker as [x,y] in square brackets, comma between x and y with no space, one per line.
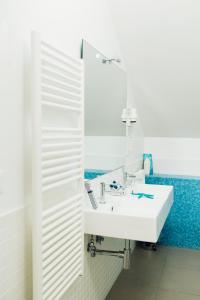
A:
[182,228]
[93,173]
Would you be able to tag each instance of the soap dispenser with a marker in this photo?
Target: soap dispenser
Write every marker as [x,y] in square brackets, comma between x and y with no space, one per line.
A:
[148,164]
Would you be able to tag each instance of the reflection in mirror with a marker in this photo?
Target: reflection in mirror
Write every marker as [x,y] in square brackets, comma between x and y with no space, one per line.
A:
[105,98]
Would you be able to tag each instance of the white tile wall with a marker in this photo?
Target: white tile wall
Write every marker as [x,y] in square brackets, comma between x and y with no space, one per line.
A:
[179,156]
[12,256]
[99,274]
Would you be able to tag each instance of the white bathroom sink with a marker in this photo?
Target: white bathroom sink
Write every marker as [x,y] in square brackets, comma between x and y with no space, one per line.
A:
[128,217]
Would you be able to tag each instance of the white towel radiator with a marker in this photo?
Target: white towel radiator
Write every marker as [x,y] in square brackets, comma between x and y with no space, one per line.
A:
[57,170]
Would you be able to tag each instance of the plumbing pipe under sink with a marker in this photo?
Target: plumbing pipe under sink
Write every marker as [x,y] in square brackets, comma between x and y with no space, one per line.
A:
[124,254]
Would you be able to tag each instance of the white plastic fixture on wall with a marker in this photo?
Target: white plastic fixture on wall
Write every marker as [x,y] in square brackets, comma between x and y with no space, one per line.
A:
[57,170]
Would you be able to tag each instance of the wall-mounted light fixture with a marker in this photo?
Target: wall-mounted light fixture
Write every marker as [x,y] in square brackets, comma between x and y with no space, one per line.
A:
[129,116]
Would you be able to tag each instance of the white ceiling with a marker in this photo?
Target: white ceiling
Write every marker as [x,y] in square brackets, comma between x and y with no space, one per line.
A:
[160,42]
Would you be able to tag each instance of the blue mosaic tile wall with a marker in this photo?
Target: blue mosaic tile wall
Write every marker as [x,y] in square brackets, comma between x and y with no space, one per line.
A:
[182,228]
[92,173]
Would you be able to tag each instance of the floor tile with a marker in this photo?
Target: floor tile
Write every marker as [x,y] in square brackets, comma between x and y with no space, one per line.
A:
[148,274]
[183,258]
[147,267]
[131,291]
[157,256]
[181,280]
[166,274]
[169,295]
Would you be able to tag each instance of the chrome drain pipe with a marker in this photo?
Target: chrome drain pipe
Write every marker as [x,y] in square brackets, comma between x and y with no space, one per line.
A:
[125,254]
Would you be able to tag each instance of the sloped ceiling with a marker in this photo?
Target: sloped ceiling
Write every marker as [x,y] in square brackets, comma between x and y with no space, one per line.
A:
[160,42]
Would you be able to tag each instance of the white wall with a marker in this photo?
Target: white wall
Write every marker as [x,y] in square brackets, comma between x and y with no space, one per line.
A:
[63,23]
[174,155]
[13,275]
[161,50]
[105,152]
[160,44]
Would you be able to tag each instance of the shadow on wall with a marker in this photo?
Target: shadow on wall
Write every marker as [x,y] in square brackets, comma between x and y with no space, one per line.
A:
[182,228]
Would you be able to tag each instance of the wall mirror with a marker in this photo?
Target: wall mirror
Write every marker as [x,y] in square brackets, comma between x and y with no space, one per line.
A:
[105,97]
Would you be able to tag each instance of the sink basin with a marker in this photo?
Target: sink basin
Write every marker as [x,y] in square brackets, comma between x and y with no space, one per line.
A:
[128,217]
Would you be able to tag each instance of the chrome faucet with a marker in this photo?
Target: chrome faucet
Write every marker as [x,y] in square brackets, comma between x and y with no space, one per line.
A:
[102,192]
[128,176]
[91,196]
